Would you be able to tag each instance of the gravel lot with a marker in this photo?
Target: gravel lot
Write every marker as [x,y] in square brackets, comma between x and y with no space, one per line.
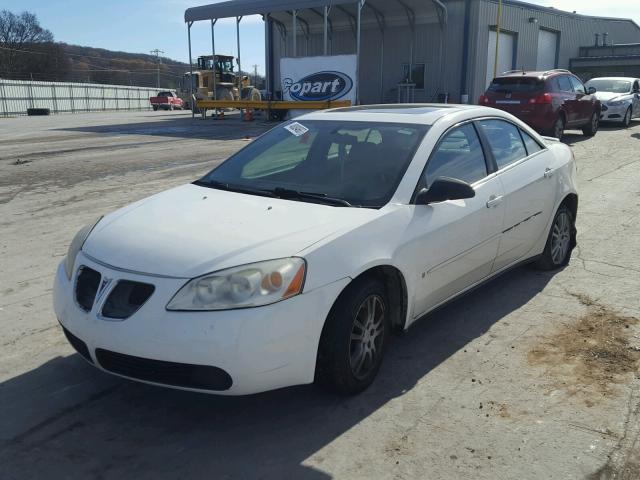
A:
[534,376]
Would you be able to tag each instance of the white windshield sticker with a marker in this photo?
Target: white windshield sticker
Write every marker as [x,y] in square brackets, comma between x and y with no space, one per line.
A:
[297,129]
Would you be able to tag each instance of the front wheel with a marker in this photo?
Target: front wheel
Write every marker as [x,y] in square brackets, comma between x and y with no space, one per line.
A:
[627,118]
[354,338]
[560,242]
[592,127]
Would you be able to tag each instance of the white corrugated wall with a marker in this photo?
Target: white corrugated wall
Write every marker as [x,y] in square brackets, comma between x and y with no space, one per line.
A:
[16,96]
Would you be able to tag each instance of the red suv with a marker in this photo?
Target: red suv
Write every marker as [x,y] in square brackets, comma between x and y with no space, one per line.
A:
[550,102]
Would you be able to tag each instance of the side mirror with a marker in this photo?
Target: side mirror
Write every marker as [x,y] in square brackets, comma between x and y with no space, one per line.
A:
[591,90]
[445,188]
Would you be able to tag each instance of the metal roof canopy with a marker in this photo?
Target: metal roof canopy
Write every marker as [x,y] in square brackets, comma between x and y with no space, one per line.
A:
[318,15]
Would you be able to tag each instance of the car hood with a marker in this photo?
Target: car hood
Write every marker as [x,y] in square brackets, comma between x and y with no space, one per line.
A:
[192,230]
[608,96]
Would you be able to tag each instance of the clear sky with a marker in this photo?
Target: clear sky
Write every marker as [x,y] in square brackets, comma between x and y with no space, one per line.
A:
[143,25]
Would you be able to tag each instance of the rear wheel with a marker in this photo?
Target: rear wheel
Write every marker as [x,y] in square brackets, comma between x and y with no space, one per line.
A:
[592,127]
[560,242]
[627,118]
[354,338]
[558,128]
[155,108]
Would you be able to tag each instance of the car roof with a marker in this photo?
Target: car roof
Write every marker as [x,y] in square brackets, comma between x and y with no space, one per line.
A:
[628,79]
[417,113]
[534,73]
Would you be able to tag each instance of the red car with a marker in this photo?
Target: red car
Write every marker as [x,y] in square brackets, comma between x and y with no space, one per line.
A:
[166,101]
[549,102]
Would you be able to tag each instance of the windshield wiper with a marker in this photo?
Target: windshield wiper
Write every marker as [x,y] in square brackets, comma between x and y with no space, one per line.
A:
[319,197]
[234,188]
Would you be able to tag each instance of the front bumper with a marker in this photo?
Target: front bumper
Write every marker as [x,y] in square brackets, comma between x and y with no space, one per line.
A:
[613,114]
[260,349]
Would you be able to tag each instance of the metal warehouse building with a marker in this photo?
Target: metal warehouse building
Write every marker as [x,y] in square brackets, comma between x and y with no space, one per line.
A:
[431,47]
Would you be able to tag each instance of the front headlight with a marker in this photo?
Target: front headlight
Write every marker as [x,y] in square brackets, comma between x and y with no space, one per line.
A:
[76,246]
[616,103]
[250,285]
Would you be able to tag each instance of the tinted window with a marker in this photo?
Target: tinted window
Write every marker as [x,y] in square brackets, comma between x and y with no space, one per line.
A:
[516,84]
[530,143]
[504,140]
[360,162]
[458,155]
[564,84]
[578,87]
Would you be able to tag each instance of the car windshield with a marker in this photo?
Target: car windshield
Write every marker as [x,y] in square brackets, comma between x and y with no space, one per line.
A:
[613,86]
[516,85]
[338,163]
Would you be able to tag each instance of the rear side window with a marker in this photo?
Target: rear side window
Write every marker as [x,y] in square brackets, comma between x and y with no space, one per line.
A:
[516,85]
[564,84]
[504,140]
[531,145]
[458,155]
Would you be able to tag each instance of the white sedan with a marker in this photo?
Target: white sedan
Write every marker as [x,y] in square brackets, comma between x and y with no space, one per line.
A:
[619,96]
[296,259]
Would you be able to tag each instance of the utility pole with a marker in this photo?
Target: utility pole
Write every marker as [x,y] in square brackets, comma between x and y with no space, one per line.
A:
[255,76]
[157,53]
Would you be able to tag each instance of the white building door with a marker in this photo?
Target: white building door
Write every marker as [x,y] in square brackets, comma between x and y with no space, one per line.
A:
[506,50]
[547,50]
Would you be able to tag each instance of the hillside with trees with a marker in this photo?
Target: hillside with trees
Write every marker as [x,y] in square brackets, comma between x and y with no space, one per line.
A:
[28,52]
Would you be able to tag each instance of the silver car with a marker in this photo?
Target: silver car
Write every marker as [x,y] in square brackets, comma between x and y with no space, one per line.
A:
[620,98]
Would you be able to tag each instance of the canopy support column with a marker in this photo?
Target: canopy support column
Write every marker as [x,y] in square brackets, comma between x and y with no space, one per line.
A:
[359,6]
[294,36]
[267,54]
[190,72]
[213,55]
[326,28]
[238,60]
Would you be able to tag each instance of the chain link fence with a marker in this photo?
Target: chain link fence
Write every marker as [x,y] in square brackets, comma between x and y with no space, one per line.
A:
[16,96]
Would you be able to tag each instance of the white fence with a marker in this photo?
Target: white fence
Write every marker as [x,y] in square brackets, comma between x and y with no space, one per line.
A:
[60,97]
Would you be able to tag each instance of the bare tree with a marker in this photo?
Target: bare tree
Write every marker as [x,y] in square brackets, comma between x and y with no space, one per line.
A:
[16,32]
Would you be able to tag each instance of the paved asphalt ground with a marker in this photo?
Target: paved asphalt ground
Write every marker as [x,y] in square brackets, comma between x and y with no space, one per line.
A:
[534,376]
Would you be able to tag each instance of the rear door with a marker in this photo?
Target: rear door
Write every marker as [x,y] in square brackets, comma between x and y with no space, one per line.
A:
[525,169]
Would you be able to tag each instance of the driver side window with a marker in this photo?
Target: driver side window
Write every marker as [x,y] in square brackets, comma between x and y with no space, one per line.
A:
[458,155]
[578,87]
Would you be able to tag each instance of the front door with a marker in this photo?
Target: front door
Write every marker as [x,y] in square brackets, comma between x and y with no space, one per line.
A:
[452,244]
[584,108]
[636,98]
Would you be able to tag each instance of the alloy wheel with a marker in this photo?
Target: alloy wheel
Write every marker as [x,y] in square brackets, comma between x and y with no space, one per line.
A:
[366,336]
[627,118]
[560,238]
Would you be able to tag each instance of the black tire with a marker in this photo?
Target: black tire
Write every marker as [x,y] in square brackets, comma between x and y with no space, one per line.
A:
[155,108]
[557,130]
[592,127]
[549,260]
[627,118]
[338,353]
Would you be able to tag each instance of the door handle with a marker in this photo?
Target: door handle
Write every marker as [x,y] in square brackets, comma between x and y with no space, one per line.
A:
[548,172]
[494,201]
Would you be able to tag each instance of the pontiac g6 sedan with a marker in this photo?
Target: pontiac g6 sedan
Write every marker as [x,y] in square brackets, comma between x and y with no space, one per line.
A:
[296,259]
